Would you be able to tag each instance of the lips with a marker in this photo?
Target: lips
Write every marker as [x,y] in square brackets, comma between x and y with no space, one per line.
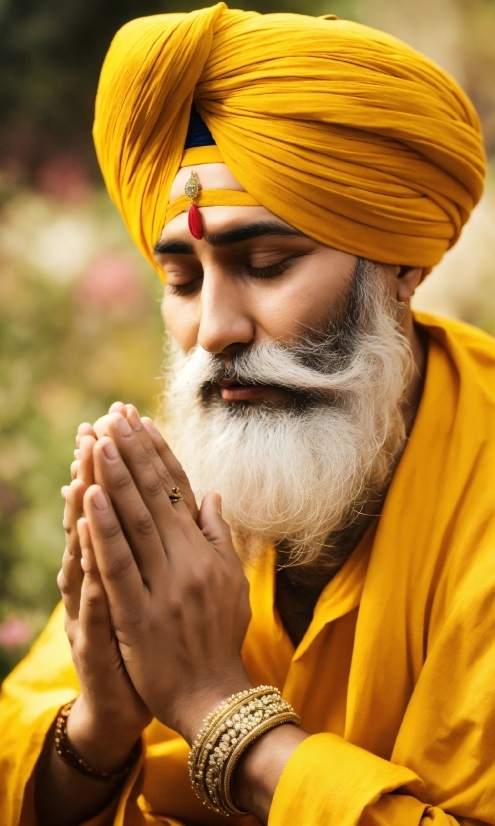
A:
[233,390]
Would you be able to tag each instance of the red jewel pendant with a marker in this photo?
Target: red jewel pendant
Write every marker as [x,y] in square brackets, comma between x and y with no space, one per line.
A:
[191,189]
[194,222]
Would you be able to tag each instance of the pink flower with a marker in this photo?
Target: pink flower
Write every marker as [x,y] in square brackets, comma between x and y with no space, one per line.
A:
[13,632]
[111,281]
[65,179]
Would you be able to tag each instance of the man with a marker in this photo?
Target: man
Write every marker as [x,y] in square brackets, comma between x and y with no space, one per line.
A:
[349,441]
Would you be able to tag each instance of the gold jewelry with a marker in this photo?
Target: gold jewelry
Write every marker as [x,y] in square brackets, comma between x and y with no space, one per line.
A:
[176,497]
[191,187]
[72,758]
[224,737]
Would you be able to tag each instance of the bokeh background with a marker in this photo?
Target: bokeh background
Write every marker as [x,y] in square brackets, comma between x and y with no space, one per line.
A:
[79,311]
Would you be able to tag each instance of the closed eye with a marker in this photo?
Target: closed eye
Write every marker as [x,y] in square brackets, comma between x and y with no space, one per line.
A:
[271,271]
[187,288]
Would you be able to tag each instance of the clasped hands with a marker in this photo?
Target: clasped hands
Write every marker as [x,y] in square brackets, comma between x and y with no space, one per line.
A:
[155,596]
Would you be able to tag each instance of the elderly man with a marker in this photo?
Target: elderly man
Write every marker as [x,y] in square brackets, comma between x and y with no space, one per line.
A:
[341,448]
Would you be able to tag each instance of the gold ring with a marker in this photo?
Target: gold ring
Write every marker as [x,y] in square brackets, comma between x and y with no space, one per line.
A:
[176,497]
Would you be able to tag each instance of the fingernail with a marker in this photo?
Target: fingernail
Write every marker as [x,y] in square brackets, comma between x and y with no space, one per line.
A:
[149,425]
[110,451]
[65,491]
[133,418]
[77,454]
[100,501]
[123,426]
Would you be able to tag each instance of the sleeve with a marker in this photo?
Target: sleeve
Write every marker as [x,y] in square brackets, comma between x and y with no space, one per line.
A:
[328,780]
[29,702]
[30,699]
[442,768]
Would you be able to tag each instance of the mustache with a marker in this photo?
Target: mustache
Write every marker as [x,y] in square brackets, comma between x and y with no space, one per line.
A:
[311,370]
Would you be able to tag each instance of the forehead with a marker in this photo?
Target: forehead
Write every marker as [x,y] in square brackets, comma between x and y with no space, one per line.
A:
[224,219]
[210,175]
[216,219]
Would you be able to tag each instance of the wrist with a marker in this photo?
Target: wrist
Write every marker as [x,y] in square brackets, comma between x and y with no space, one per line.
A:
[199,706]
[260,767]
[103,741]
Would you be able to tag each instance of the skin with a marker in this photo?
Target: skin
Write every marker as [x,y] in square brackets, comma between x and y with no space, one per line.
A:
[156,600]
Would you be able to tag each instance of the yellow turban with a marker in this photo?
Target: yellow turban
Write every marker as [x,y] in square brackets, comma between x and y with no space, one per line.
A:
[343,131]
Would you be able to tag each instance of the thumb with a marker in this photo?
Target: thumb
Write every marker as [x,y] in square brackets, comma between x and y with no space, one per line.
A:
[213,525]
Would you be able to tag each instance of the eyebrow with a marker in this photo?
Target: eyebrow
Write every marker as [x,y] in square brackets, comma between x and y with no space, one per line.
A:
[229,237]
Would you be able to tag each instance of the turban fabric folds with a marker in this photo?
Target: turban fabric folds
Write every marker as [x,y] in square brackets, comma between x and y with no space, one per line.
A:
[346,133]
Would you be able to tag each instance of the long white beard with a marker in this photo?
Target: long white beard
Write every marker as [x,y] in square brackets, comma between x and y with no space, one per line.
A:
[299,475]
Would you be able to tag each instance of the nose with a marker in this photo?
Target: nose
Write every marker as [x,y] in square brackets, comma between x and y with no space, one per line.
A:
[225,318]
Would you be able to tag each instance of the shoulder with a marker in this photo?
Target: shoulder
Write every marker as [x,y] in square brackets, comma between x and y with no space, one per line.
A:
[469,347]
[459,337]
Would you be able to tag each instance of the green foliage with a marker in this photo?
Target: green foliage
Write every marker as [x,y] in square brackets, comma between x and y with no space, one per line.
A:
[79,328]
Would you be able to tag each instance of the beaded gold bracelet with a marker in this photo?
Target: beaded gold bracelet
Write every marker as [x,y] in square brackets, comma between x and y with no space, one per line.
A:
[224,737]
[75,761]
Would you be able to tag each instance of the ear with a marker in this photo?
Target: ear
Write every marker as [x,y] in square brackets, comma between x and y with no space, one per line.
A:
[406,281]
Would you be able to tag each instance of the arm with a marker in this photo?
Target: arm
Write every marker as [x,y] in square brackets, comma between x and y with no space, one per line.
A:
[108,716]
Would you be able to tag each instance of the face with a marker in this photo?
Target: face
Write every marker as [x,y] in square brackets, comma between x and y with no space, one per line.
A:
[251,279]
[285,391]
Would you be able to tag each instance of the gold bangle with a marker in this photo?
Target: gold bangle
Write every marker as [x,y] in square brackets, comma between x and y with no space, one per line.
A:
[225,735]
[75,761]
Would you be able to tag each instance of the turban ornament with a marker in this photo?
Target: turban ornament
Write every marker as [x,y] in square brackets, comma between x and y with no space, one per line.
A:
[194,222]
[342,131]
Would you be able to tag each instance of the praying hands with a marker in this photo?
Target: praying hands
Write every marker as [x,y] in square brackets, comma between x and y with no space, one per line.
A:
[157,608]
[165,577]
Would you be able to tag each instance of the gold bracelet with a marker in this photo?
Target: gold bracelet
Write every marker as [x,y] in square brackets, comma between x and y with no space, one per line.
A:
[73,759]
[224,737]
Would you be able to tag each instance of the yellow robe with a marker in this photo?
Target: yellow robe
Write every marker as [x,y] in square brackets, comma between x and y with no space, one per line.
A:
[395,677]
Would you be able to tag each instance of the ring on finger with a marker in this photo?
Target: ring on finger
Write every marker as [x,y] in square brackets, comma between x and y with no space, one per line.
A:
[176,497]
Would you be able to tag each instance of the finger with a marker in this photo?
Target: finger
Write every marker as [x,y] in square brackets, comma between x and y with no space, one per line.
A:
[118,407]
[165,473]
[101,426]
[85,471]
[84,429]
[74,468]
[118,570]
[72,512]
[70,577]
[214,528]
[173,465]
[137,523]
[154,482]
[94,613]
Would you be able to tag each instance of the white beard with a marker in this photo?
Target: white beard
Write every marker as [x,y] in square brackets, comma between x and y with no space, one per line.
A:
[299,475]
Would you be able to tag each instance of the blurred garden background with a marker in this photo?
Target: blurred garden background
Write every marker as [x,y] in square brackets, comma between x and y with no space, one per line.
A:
[79,310]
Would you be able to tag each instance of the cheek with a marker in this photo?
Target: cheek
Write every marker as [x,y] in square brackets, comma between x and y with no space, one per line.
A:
[181,318]
[307,297]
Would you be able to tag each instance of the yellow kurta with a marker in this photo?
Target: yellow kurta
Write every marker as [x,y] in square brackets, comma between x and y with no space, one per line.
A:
[395,677]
